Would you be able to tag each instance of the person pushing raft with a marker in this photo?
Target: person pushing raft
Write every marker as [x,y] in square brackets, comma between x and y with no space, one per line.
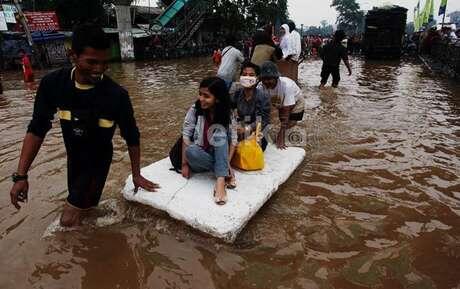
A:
[89,105]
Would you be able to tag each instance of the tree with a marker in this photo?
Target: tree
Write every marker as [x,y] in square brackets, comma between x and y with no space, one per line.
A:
[244,16]
[324,30]
[70,12]
[324,23]
[455,17]
[232,16]
[265,12]
[39,5]
[351,17]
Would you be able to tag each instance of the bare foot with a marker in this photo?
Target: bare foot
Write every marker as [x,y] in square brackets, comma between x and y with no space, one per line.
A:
[71,217]
[220,195]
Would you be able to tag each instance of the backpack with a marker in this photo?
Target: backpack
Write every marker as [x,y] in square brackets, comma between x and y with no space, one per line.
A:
[175,154]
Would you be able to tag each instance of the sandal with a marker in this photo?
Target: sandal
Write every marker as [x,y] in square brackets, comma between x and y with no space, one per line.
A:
[219,202]
[230,182]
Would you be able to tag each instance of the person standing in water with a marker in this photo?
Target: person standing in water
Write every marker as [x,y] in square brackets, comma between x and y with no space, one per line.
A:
[26,66]
[264,49]
[89,105]
[232,58]
[291,47]
[332,54]
[296,42]
[285,96]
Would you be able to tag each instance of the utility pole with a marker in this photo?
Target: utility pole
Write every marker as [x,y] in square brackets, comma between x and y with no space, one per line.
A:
[125,34]
[23,20]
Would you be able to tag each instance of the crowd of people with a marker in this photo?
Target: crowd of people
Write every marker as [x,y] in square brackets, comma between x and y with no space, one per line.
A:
[262,81]
[424,41]
[231,107]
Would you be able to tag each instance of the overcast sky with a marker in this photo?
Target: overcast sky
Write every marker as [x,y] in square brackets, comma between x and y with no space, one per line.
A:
[311,12]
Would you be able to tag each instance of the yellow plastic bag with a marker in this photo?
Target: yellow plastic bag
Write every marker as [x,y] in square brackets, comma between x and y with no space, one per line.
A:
[249,155]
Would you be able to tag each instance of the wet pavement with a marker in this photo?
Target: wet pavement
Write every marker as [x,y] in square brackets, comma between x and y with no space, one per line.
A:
[376,203]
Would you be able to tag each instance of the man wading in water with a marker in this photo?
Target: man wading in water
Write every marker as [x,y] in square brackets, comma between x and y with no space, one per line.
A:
[89,106]
[332,54]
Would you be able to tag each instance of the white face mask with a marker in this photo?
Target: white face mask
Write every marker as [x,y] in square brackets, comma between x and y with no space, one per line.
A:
[248,81]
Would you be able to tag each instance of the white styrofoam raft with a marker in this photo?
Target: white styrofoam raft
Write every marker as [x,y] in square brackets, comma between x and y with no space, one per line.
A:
[191,200]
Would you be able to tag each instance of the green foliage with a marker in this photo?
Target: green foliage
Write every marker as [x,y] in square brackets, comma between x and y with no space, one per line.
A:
[244,16]
[264,12]
[351,17]
[234,16]
[70,12]
[37,5]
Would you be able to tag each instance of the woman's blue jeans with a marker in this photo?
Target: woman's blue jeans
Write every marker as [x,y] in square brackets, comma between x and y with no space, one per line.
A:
[215,159]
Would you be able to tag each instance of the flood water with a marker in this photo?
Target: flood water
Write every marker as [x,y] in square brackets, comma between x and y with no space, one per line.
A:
[376,203]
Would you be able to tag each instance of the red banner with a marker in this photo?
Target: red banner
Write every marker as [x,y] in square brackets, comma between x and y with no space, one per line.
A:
[42,21]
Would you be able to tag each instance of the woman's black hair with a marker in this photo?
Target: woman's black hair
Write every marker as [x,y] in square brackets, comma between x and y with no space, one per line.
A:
[291,25]
[222,111]
[249,64]
[262,37]
[89,35]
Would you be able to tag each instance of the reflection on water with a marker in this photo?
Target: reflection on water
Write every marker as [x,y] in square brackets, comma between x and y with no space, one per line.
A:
[376,204]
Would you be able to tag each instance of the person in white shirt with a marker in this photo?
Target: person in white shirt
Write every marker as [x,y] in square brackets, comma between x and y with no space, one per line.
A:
[285,40]
[296,40]
[285,95]
[232,58]
[291,45]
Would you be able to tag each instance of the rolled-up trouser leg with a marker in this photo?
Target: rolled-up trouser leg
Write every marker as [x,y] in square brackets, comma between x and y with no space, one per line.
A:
[220,152]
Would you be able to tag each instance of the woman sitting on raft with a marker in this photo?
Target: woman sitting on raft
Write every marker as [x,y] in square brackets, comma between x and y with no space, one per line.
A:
[208,136]
[251,104]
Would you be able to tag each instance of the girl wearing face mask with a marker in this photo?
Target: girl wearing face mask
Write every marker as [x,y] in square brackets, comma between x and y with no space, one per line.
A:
[251,104]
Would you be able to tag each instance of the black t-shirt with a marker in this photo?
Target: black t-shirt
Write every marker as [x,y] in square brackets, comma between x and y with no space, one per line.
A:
[88,117]
[332,53]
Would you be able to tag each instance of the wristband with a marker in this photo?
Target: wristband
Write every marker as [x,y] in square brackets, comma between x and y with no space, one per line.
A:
[17,178]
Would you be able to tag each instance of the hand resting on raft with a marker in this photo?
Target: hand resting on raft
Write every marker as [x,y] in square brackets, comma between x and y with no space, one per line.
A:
[141,182]
[138,180]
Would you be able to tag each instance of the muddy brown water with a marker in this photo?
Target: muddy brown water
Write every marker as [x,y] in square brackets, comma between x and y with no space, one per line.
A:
[376,203]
